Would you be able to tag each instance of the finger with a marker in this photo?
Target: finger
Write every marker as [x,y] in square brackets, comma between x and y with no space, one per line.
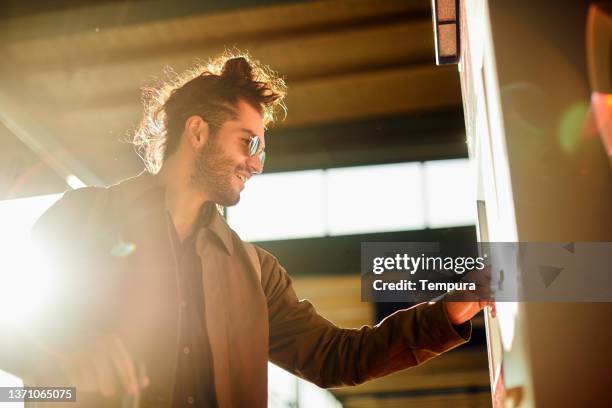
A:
[490,307]
[124,366]
[493,310]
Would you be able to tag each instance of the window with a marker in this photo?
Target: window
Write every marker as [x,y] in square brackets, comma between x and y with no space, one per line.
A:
[353,200]
[374,198]
[281,206]
[450,193]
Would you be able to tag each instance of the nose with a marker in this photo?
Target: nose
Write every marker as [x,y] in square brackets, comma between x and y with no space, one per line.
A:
[255,165]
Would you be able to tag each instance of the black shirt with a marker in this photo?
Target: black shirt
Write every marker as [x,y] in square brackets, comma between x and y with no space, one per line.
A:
[194,379]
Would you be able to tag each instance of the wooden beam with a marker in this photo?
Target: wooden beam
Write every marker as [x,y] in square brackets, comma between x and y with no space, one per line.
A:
[295,57]
[91,45]
[343,98]
[419,137]
[370,94]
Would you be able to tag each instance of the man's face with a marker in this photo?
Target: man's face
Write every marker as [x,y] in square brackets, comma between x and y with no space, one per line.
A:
[223,164]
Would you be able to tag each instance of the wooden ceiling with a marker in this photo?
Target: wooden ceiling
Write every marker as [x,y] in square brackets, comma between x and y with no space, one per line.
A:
[72,87]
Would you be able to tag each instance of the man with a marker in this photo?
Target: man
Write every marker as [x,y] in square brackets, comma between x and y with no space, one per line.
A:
[163,303]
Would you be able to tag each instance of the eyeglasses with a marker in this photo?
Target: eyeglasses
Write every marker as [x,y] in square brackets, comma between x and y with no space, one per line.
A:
[255,148]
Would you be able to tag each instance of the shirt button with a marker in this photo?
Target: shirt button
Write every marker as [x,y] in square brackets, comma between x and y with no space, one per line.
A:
[190,400]
[186,350]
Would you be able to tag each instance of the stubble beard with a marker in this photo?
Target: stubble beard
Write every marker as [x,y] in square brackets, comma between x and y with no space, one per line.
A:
[213,172]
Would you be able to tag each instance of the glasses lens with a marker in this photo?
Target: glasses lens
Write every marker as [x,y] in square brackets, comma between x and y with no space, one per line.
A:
[254,150]
[254,145]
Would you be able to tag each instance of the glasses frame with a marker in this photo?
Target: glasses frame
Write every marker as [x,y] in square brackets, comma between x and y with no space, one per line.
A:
[256,150]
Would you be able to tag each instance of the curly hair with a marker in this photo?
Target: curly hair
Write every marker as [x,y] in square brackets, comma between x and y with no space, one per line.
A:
[211,91]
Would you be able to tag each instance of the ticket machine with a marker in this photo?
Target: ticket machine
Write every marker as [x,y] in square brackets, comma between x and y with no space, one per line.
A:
[536,87]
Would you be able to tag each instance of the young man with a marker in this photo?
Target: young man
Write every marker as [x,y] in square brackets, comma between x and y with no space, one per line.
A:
[161,300]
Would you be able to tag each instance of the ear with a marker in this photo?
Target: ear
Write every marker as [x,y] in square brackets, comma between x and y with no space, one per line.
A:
[196,131]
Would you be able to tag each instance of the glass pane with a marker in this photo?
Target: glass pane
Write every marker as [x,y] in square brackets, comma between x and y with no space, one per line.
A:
[375,199]
[280,206]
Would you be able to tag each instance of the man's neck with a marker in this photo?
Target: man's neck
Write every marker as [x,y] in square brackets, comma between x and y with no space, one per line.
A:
[183,202]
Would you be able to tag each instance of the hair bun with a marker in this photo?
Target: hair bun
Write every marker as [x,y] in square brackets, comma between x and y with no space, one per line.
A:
[237,68]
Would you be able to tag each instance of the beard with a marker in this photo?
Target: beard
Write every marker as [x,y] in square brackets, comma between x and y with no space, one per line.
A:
[213,173]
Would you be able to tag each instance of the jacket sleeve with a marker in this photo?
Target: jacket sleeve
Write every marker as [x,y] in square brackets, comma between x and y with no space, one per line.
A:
[308,345]
[76,236]
[63,237]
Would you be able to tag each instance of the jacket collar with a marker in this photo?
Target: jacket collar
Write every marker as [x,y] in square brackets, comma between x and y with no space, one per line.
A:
[214,221]
[135,187]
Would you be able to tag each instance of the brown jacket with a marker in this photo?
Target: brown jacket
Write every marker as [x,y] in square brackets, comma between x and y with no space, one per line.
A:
[123,279]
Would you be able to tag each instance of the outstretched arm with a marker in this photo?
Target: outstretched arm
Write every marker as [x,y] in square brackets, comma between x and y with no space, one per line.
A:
[305,343]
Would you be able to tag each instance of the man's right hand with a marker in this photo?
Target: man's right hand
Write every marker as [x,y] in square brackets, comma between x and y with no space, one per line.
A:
[103,367]
[461,306]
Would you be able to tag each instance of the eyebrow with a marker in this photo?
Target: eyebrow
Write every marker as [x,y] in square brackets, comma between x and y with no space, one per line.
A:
[249,131]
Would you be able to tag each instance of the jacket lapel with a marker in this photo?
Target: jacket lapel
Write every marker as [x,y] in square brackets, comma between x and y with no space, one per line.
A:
[236,315]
